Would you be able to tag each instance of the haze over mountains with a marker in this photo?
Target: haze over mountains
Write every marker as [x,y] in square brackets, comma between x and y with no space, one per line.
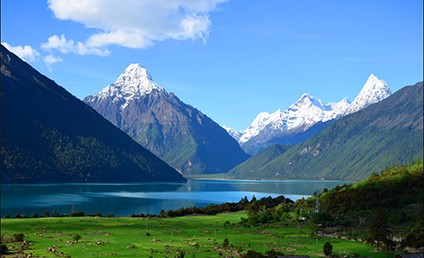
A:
[304,118]
[178,133]
[49,136]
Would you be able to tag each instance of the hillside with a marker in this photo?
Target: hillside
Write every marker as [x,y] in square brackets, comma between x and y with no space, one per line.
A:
[261,159]
[48,135]
[384,134]
[394,197]
[393,189]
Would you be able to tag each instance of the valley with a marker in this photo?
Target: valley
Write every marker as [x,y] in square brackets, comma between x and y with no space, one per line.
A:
[211,128]
[263,227]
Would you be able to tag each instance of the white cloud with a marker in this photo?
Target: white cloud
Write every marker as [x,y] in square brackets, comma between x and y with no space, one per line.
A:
[26,53]
[49,60]
[134,23]
[65,46]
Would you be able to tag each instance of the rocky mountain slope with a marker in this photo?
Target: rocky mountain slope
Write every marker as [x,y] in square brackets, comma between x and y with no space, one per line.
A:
[178,133]
[386,133]
[49,136]
[292,125]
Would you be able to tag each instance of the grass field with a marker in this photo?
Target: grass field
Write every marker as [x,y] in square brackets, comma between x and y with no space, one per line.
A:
[195,236]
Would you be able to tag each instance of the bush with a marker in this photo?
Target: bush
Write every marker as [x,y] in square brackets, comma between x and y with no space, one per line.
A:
[328,248]
[18,237]
[76,238]
[226,243]
[3,249]
[269,254]
[77,214]
[273,253]
[179,254]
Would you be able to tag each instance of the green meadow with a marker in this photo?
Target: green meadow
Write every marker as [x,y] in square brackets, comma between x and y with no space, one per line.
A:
[188,236]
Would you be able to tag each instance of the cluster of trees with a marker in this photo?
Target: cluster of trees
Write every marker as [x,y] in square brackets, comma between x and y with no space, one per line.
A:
[243,204]
[394,198]
[385,205]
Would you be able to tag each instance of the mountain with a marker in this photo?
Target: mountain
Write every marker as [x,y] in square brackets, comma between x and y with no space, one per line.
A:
[49,136]
[292,125]
[180,134]
[386,133]
[250,166]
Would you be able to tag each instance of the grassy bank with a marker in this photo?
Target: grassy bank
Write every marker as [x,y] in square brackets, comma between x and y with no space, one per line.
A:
[193,236]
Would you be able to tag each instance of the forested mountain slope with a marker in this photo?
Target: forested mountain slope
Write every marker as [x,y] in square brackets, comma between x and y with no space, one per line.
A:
[48,135]
[384,134]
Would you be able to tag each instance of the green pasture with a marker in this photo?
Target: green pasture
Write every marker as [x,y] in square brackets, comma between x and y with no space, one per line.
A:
[195,236]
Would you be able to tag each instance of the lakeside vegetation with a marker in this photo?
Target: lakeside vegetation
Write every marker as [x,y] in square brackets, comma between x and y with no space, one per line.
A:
[378,217]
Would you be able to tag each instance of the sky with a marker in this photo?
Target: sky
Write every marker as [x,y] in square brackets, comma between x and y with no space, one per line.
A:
[231,59]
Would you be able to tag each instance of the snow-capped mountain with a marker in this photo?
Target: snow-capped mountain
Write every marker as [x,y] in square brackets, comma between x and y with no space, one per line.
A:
[373,91]
[306,112]
[133,83]
[178,133]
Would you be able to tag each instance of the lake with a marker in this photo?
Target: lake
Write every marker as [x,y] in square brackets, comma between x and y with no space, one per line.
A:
[146,198]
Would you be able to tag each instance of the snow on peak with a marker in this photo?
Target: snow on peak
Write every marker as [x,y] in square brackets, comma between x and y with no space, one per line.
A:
[307,111]
[136,80]
[236,134]
[133,83]
[306,101]
[133,71]
[257,125]
[373,91]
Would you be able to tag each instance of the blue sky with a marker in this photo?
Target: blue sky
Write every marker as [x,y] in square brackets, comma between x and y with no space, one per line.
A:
[231,59]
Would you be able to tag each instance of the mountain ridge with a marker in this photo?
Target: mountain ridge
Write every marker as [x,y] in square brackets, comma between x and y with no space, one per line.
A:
[180,134]
[383,134]
[48,135]
[303,114]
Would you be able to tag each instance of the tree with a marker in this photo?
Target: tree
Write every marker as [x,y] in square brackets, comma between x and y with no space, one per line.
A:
[76,238]
[328,249]
[379,230]
[226,243]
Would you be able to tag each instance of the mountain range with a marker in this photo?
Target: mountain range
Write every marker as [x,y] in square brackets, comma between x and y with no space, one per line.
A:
[50,136]
[305,118]
[383,134]
[178,133]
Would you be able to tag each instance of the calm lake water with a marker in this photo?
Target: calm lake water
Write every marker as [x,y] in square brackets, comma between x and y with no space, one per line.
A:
[147,198]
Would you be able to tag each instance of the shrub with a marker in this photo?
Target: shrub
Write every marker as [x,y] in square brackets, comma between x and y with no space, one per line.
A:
[226,243]
[76,238]
[18,237]
[328,249]
[3,249]
[179,254]
[77,214]
[253,254]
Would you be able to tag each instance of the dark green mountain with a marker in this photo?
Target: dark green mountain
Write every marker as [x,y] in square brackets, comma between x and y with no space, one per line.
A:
[384,134]
[250,166]
[178,133]
[48,135]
